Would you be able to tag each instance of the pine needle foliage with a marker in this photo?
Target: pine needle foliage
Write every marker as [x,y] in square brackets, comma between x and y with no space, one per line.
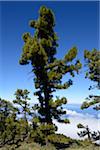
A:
[39,50]
[92,59]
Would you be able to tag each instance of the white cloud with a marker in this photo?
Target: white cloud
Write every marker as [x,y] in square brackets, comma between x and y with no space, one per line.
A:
[76,118]
[72,113]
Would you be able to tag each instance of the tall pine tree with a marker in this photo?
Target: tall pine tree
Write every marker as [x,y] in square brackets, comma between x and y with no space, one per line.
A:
[39,50]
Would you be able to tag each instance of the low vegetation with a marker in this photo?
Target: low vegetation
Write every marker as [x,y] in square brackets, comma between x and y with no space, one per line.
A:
[75,145]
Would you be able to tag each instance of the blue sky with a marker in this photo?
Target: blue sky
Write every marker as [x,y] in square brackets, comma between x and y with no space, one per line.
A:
[77,24]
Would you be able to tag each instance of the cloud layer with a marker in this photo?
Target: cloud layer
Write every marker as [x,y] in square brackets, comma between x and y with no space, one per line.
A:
[76,118]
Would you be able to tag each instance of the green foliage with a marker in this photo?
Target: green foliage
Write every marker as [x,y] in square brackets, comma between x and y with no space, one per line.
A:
[6,112]
[80,126]
[47,129]
[71,55]
[8,124]
[40,50]
[41,132]
[85,105]
[23,107]
[60,141]
[93,100]
[93,73]
[21,102]
[12,129]
[93,63]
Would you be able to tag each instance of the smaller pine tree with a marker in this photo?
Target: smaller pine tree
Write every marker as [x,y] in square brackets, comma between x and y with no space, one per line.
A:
[23,107]
[92,59]
[22,104]
[93,73]
[86,131]
[8,123]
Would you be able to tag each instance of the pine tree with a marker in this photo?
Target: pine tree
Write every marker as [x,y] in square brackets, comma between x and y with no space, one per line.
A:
[23,107]
[93,73]
[86,131]
[22,103]
[91,135]
[39,50]
[11,132]
[14,125]
[7,121]
[5,111]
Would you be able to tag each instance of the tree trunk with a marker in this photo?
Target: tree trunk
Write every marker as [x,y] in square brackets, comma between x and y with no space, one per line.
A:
[48,118]
[88,133]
